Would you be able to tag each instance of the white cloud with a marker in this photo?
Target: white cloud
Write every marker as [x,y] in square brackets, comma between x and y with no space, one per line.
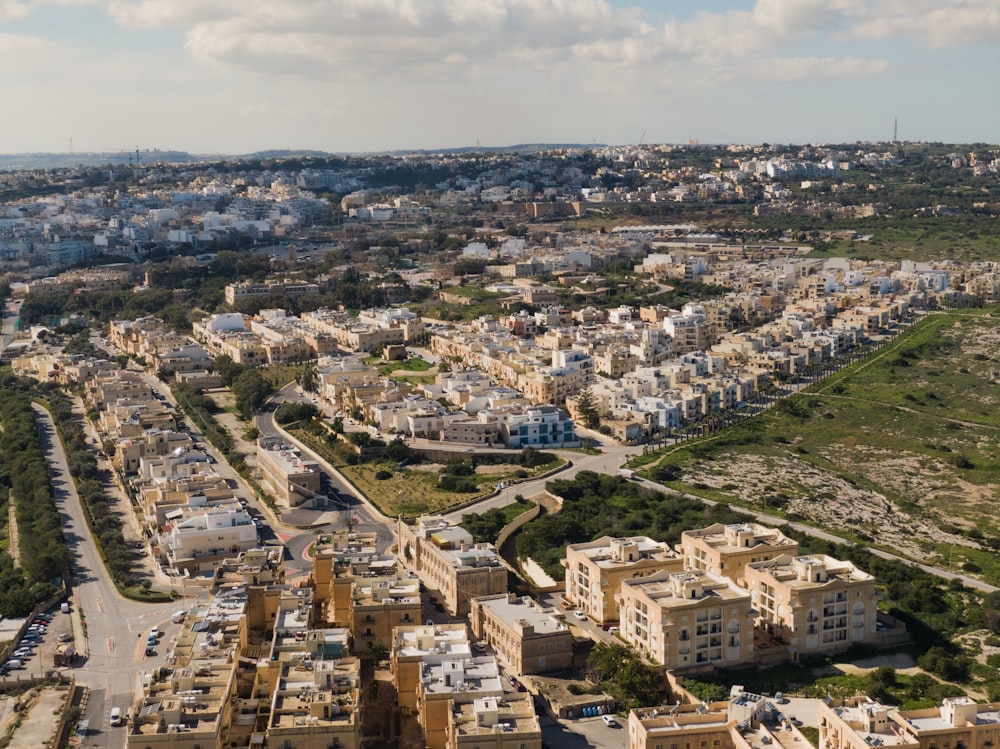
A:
[944,23]
[12,10]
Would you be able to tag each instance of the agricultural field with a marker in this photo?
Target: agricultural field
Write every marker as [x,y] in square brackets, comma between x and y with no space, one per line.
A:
[899,451]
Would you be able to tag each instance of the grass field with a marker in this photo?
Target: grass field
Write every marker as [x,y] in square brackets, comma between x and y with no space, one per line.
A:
[899,450]
[414,490]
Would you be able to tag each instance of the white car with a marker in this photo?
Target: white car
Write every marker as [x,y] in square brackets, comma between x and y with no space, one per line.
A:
[609,720]
[579,615]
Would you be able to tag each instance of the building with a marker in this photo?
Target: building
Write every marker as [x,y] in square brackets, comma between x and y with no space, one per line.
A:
[292,479]
[958,723]
[447,684]
[447,560]
[688,620]
[507,722]
[203,540]
[716,725]
[538,426]
[526,638]
[379,605]
[595,570]
[727,549]
[814,604]
[417,644]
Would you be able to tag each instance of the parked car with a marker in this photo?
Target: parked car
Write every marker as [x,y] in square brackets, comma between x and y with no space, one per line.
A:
[609,720]
[579,615]
[65,637]
[116,716]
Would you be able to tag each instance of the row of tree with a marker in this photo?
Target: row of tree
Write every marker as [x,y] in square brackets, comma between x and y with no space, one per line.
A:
[24,480]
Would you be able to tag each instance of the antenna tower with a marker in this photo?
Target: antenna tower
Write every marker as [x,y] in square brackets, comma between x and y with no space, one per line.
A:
[895,130]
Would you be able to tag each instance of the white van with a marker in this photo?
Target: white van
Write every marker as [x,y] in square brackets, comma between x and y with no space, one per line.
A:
[116,716]
[178,616]
[64,608]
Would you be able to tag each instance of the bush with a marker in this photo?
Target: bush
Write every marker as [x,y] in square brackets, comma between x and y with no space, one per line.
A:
[383,475]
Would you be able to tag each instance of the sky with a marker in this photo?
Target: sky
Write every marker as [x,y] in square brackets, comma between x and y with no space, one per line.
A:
[237,76]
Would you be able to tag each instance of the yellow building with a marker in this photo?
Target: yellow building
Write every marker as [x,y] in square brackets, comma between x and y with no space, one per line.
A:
[292,479]
[959,723]
[595,570]
[688,620]
[727,549]
[507,722]
[447,684]
[713,726]
[814,604]
[378,605]
[415,645]
[526,638]
[447,560]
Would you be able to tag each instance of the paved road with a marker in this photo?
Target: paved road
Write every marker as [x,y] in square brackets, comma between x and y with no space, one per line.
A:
[350,504]
[113,623]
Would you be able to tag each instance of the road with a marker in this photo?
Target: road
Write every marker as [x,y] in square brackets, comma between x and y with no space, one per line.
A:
[113,624]
[349,503]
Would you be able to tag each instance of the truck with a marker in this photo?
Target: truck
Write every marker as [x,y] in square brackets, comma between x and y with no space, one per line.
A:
[64,654]
[626,473]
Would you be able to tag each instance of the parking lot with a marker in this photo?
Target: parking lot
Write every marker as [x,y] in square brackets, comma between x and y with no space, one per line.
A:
[33,653]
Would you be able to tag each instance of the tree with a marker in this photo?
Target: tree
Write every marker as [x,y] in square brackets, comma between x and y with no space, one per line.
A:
[250,390]
[586,406]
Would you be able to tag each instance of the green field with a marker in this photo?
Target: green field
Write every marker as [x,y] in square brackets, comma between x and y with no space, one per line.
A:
[899,450]
[414,491]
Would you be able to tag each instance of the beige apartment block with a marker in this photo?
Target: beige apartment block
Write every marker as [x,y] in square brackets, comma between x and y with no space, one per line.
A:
[685,727]
[727,549]
[447,560]
[292,479]
[687,620]
[507,722]
[595,570]
[445,686]
[418,645]
[527,639]
[378,605]
[958,723]
[814,604]
[316,705]
[191,707]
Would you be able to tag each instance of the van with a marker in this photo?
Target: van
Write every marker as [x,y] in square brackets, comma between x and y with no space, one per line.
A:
[178,616]
[64,608]
[116,716]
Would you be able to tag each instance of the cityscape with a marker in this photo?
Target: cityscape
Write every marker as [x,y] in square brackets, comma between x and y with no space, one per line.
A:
[504,448]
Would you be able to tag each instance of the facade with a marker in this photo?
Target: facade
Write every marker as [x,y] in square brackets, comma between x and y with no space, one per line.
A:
[688,620]
[813,603]
[379,605]
[727,549]
[526,638]
[292,479]
[596,569]
[447,560]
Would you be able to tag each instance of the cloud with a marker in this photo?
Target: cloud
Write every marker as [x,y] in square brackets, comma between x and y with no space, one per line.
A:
[12,10]
[340,41]
[945,23]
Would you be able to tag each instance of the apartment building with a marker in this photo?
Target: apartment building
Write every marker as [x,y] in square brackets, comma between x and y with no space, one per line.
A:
[202,540]
[688,620]
[292,479]
[958,723]
[691,330]
[537,426]
[250,568]
[416,644]
[448,561]
[316,704]
[191,707]
[526,638]
[727,549]
[814,604]
[596,569]
[684,727]
[235,292]
[447,684]
[507,722]
[379,605]
[146,443]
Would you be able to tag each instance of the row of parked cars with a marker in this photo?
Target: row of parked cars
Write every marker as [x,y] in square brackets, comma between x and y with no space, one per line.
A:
[26,647]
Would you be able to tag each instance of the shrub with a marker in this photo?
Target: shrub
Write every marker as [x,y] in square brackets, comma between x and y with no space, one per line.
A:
[383,474]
